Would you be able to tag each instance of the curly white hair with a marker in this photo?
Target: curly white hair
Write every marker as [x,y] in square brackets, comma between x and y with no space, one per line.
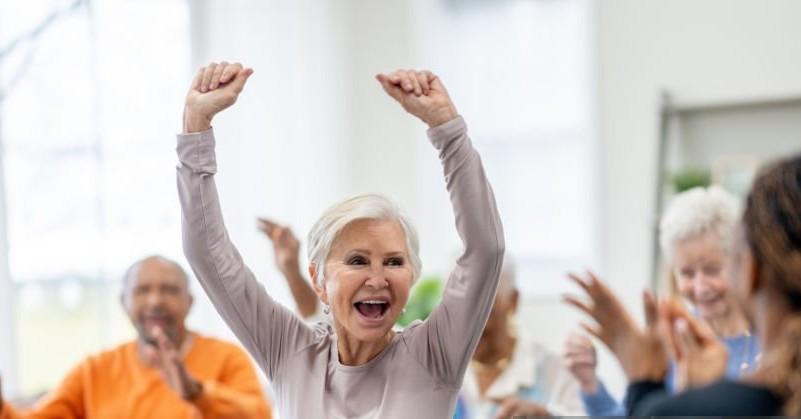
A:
[698,211]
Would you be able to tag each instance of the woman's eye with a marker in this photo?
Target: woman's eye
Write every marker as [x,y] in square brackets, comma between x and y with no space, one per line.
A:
[394,262]
[357,260]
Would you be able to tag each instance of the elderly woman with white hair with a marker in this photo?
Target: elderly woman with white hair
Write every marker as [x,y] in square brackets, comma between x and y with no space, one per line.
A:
[696,236]
[363,255]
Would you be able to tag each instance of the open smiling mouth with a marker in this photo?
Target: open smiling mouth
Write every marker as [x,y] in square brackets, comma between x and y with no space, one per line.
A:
[372,309]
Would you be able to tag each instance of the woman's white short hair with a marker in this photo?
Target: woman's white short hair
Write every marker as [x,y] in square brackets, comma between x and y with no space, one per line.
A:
[362,207]
[698,211]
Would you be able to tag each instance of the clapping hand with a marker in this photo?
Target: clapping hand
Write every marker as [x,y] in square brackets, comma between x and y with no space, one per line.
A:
[168,359]
[640,351]
[699,355]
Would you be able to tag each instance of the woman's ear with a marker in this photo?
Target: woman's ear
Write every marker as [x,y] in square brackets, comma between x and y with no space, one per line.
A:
[319,288]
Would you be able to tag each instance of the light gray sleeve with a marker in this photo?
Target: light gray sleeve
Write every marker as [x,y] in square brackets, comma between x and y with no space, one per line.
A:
[268,330]
[445,342]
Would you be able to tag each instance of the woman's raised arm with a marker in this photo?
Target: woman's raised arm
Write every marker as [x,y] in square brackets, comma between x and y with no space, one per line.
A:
[268,330]
[445,342]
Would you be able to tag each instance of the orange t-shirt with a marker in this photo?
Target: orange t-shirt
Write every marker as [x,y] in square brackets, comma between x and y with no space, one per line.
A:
[116,384]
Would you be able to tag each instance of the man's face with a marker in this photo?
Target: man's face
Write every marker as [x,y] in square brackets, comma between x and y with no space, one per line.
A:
[156,295]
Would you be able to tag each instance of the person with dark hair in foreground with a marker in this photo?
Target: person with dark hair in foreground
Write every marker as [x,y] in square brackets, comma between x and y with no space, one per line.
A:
[168,372]
[363,259]
[766,279]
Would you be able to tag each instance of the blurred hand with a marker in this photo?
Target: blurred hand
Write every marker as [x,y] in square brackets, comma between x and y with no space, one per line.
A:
[167,358]
[640,352]
[699,355]
[215,87]
[285,245]
[421,93]
[581,360]
[513,406]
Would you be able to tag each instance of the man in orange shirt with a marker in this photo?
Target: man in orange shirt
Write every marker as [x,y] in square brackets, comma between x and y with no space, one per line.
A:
[168,372]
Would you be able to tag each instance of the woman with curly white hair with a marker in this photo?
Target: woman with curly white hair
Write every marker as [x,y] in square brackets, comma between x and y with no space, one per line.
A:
[696,236]
[363,257]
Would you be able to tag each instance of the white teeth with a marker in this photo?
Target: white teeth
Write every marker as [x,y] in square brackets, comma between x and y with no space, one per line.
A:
[373,302]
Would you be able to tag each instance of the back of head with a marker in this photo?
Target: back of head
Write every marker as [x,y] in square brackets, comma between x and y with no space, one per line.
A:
[369,206]
[772,224]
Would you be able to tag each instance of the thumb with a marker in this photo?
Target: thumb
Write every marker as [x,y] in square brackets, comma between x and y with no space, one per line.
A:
[391,88]
[685,337]
[239,81]
[702,331]
[649,305]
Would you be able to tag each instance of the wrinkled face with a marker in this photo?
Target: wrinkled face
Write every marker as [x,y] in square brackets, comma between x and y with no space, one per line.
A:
[156,294]
[367,278]
[698,268]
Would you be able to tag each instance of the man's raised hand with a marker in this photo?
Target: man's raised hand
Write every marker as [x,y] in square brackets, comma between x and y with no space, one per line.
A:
[421,93]
[214,88]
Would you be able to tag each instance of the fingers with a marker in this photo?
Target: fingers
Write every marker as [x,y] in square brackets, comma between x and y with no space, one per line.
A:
[422,80]
[649,306]
[666,331]
[684,336]
[408,82]
[208,72]
[198,78]
[165,346]
[229,72]
[216,74]
[240,79]
[581,282]
[267,226]
[594,331]
[579,345]
[575,302]
[701,330]
[417,89]
[390,84]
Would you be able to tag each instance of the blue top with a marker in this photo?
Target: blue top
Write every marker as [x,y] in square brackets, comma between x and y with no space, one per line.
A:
[743,351]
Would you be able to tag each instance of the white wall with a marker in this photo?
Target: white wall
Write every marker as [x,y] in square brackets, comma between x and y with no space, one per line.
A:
[701,51]
[8,369]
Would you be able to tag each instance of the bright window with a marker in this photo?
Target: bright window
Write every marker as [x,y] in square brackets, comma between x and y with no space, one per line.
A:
[88,104]
[521,73]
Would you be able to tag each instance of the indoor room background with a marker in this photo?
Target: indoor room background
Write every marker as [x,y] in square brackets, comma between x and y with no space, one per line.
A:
[583,111]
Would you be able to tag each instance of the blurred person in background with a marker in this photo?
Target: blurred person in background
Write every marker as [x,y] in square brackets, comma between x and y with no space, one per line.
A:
[695,236]
[511,374]
[765,273]
[286,254]
[167,372]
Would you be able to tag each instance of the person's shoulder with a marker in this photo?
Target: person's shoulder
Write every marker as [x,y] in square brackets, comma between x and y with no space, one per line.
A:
[215,345]
[109,359]
[720,398]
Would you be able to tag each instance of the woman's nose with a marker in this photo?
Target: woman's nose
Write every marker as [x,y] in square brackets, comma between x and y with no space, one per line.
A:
[377,278]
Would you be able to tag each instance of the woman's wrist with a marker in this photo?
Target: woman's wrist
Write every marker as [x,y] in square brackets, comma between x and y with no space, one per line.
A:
[195,123]
[442,116]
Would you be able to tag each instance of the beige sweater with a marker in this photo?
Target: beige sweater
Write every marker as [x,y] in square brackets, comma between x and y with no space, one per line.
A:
[418,375]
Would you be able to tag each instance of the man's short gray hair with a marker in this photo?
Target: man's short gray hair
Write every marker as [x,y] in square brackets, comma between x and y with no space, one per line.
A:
[698,211]
[363,207]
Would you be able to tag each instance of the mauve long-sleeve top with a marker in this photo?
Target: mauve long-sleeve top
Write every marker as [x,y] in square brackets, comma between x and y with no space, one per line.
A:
[419,374]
